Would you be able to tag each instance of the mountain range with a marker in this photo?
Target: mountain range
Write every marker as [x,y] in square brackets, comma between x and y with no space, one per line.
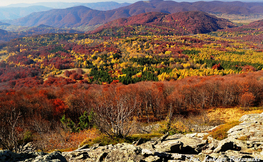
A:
[22,9]
[60,5]
[188,22]
[83,16]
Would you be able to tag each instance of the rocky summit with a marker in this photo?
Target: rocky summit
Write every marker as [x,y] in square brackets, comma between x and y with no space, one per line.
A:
[244,143]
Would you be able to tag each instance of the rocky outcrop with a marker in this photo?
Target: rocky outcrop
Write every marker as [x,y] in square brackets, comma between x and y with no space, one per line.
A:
[250,129]
[178,147]
[8,156]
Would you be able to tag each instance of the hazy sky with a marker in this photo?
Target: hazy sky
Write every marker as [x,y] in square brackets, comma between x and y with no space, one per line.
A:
[8,2]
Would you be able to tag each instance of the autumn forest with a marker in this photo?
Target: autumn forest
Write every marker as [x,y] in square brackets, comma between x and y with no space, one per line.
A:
[126,72]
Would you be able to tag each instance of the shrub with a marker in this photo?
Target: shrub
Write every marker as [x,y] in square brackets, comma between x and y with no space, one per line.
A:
[79,71]
[67,73]
[64,140]
[247,99]
[85,122]
[220,132]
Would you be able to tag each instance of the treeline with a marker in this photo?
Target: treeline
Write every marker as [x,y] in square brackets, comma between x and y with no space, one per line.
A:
[39,110]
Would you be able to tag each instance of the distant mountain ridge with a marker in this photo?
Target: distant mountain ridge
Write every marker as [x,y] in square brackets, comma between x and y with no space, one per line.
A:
[188,22]
[61,5]
[83,16]
[18,12]
[37,30]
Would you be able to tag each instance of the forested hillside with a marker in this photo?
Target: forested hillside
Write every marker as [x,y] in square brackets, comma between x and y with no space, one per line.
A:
[84,17]
[191,22]
[63,85]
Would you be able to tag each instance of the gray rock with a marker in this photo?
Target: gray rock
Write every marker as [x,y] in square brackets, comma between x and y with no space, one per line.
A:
[6,155]
[146,152]
[161,139]
[136,143]
[124,152]
[227,144]
[178,147]
[82,156]
[101,157]
[56,155]
[174,137]
[198,135]
[251,117]
[176,156]
[169,146]
[212,144]
[153,159]
[94,154]
[27,148]
[192,145]
[148,145]
[249,128]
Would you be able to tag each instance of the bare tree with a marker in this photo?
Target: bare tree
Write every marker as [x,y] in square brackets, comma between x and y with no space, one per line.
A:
[115,112]
[8,134]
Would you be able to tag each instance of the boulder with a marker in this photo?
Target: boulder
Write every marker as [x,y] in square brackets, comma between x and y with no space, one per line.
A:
[198,135]
[6,155]
[124,152]
[212,157]
[161,139]
[227,144]
[146,152]
[212,144]
[169,146]
[136,143]
[192,145]
[101,157]
[148,145]
[54,156]
[27,148]
[174,137]
[153,159]
[176,156]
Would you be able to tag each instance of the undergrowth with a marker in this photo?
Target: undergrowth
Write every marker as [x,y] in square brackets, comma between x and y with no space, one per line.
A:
[220,132]
[225,117]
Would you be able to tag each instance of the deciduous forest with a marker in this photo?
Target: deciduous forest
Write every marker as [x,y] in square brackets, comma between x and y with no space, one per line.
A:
[110,78]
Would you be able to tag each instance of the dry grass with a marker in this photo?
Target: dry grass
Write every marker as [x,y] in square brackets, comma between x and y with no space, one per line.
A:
[220,132]
[230,114]
[64,141]
[240,19]
[61,72]
[211,117]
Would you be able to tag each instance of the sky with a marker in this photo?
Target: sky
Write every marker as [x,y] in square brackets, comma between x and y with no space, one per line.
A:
[8,2]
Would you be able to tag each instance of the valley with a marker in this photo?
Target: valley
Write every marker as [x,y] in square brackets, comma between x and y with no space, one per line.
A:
[147,72]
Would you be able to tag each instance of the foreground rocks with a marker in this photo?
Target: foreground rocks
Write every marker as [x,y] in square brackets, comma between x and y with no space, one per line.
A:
[244,143]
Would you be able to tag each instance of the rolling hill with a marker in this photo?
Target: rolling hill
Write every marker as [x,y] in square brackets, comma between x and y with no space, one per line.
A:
[189,22]
[255,24]
[84,16]
[38,30]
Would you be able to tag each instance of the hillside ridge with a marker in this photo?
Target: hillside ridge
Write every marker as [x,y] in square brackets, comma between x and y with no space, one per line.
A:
[188,22]
[86,17]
